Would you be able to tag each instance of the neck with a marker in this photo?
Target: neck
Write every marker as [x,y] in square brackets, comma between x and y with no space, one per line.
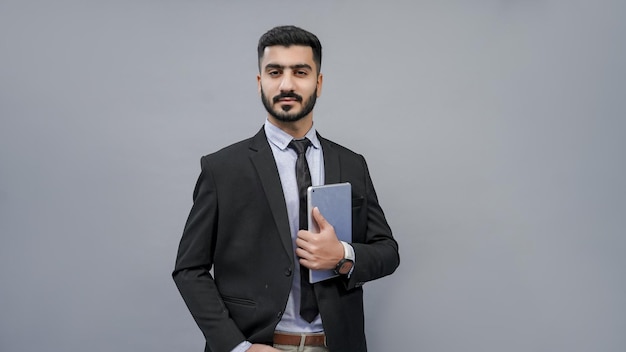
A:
[297,129]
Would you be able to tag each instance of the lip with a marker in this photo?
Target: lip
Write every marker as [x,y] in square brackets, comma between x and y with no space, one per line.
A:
[287,99]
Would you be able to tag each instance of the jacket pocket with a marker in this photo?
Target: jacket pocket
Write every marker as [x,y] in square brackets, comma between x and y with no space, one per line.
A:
[359,219]
[357,201]
[242,311]
[239,301]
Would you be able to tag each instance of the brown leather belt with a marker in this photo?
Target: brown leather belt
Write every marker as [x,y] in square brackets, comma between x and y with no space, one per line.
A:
[281,338]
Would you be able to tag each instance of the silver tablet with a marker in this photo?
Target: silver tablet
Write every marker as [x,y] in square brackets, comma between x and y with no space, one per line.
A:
[335,203]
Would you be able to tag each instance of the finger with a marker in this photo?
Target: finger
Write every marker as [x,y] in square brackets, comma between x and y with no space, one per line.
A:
[319,219]
[303,254]
[302,244]
[304,235]
[309,264]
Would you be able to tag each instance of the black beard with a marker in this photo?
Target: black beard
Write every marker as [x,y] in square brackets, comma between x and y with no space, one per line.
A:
[284,115]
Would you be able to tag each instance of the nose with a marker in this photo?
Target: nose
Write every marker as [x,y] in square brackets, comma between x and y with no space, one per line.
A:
[286,85]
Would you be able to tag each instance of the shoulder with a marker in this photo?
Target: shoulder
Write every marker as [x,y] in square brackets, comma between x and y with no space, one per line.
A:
[231,150]
[336,147]
[240,149]
[344,153]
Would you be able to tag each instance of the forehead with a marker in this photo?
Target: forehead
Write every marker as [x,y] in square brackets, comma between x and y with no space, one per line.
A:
[287,55]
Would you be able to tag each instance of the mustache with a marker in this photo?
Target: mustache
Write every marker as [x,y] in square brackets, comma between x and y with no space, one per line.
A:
[287,95]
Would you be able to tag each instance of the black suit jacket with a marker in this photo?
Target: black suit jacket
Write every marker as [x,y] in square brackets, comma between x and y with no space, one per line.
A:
[238,227]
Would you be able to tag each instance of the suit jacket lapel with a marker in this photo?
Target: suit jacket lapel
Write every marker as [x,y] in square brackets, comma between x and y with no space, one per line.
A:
[263,160]
[332,171]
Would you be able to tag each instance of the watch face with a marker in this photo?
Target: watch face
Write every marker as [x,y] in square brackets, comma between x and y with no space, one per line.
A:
[345,267]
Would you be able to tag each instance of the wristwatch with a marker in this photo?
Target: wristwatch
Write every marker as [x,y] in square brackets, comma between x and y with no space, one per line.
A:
[344,266]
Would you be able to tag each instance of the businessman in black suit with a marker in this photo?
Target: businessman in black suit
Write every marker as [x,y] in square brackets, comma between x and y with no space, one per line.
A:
[244,224]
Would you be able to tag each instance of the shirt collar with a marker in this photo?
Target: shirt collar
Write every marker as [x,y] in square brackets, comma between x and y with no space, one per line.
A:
[281,139]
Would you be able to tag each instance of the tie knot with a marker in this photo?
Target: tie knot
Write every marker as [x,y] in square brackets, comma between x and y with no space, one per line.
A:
[300,145]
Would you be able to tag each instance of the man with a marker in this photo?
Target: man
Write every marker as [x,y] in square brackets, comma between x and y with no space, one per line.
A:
[245,224]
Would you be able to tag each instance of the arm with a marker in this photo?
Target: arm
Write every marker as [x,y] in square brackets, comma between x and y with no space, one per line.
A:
[193,264]
[375,248]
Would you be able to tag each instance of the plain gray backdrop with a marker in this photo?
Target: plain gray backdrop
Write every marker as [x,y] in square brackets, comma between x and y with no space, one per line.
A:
[494,131]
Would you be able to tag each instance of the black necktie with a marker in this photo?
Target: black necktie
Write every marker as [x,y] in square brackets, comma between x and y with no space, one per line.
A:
[308,303]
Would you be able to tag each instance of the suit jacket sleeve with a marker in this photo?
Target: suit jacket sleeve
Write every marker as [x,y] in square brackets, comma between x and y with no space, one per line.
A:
[193,264]
[375,248]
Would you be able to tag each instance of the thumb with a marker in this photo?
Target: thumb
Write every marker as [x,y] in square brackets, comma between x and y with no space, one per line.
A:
[319,219]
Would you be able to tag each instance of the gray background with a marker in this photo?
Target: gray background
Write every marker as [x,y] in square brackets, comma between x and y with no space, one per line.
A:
[494,131]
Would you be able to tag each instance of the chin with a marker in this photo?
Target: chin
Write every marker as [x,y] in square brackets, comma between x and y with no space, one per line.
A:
[287,118]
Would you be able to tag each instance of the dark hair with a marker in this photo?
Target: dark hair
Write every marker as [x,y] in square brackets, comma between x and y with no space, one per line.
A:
[287,36]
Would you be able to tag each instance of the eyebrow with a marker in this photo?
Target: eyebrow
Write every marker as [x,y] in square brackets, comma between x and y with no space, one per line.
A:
[293,67]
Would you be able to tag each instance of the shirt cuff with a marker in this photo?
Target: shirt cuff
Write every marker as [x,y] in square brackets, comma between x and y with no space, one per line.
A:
[242,347]
[348,253]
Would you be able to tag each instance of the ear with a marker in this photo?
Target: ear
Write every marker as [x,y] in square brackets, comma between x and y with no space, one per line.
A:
[258,83]
[320,80]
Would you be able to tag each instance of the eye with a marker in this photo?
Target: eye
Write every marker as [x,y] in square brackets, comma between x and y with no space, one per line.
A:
[274,72]
[301,73]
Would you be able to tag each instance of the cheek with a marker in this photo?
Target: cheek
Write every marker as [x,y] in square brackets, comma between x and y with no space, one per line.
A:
[312,88]
[268,88]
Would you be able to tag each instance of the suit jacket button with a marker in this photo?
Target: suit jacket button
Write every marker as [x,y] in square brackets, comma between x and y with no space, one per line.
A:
[288,272]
